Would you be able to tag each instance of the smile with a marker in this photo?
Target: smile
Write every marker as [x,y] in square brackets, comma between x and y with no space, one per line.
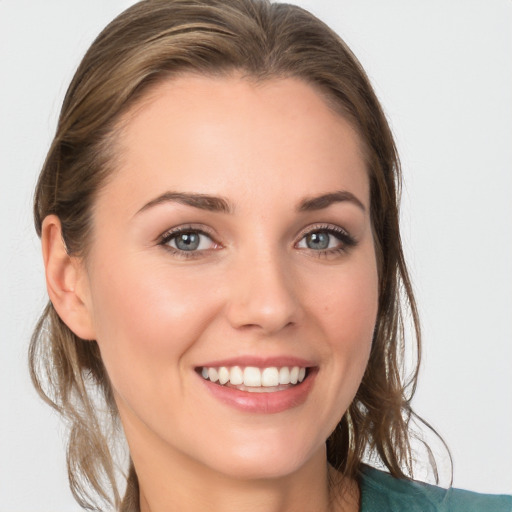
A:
[254,379]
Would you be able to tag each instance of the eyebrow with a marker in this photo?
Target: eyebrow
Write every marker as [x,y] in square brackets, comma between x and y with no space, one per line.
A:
[221,205]
[325,200]
[201,201]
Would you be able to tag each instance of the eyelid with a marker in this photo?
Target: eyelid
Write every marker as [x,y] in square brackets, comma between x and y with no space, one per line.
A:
[332,228]
[184,228]
[347,241]
[164,239]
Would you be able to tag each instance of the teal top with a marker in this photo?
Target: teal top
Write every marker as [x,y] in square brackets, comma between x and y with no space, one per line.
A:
[380,492]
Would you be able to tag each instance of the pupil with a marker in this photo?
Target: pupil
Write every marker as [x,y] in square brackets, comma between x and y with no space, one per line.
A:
[187,241]
[318,241]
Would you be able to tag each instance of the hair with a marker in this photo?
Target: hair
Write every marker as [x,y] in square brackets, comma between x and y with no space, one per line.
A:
[154,41]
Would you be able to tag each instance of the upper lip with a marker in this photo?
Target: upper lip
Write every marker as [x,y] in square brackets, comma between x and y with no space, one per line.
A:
[259,362]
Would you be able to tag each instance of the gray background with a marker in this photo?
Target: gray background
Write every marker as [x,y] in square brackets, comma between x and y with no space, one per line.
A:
[443,71]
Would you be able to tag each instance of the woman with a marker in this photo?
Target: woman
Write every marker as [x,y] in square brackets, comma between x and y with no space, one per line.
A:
[219,220]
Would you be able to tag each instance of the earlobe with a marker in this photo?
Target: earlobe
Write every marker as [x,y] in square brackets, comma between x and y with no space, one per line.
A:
[66,280]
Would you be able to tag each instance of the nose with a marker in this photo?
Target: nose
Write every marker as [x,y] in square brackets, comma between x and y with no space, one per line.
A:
[263,294]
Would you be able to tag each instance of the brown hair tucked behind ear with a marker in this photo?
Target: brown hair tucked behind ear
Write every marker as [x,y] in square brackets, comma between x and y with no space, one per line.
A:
[153,41]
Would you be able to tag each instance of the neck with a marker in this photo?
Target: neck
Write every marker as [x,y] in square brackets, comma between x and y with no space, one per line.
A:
[307,490]
[172,481]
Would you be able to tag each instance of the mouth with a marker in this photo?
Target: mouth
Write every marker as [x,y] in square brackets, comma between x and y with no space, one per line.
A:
[253,379]
[262,385]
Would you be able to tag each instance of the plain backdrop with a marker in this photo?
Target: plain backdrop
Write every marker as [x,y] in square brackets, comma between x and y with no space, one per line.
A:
[443,71]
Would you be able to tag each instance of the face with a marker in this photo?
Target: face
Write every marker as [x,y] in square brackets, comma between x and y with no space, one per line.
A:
[232,282]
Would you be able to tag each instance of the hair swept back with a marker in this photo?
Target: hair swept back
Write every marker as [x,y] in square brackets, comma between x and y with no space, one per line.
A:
[153,41]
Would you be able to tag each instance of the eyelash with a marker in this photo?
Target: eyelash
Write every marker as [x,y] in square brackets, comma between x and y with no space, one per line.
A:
[174,233]
[345,239]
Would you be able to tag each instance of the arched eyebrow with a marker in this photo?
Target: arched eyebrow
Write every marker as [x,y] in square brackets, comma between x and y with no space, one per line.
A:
[325,200]
[222,205]
[201,201]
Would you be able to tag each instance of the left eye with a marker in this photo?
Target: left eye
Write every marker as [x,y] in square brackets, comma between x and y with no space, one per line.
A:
[189,241]
[321,240]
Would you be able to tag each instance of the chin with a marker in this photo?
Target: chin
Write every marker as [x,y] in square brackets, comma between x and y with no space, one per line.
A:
[266,461]
[269,469]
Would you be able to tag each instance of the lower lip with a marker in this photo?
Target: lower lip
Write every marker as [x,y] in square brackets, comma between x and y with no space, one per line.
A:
[266,403]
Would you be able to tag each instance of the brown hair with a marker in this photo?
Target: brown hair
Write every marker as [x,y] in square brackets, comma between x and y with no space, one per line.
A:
[153,41]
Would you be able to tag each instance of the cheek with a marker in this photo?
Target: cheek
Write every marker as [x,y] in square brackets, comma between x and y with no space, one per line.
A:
[144,319]
[346,312]
[348,305]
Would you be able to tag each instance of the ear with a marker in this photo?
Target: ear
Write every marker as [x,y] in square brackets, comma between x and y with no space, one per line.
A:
[66,281]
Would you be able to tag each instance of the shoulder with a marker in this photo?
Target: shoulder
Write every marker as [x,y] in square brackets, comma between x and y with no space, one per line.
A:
[380,492]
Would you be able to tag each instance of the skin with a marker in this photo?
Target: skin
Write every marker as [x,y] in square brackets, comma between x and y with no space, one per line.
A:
[255,288]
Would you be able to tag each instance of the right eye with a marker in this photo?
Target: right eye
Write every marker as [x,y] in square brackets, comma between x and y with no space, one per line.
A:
[187,240]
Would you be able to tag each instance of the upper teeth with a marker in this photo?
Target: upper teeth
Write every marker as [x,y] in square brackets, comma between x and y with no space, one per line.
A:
[253,376]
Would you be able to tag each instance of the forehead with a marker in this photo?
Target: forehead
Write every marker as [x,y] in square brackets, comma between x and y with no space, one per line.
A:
[222,135]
